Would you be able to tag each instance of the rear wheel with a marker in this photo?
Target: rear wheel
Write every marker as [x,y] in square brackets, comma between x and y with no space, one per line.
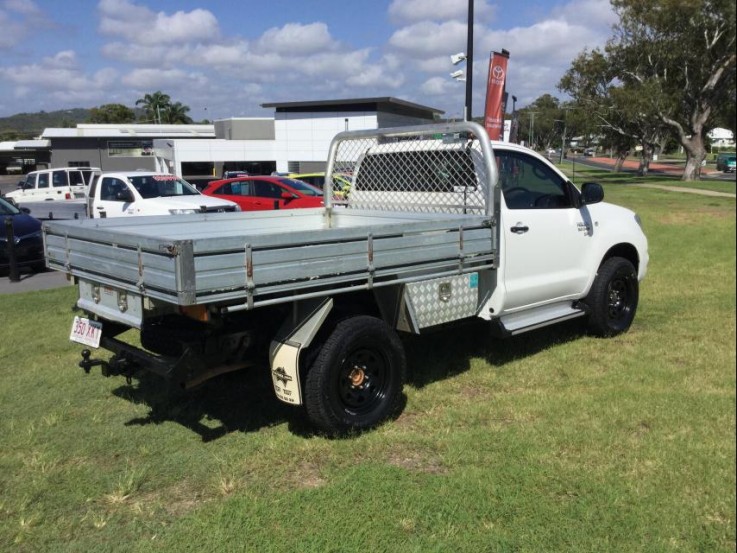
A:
[613,297]
[357,378]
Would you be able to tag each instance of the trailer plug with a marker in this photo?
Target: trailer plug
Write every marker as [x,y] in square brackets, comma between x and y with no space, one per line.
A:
[86,363]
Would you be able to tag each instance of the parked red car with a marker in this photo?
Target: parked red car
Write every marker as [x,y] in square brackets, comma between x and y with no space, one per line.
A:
[263,193]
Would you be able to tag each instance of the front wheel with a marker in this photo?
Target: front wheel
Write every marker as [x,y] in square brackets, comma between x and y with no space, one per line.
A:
[357,378]
[613,297]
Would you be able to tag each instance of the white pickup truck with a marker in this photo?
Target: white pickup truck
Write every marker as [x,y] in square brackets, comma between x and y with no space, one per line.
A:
[441,226]
[122,194]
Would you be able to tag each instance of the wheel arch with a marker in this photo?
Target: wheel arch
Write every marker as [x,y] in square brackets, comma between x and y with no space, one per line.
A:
[625,250]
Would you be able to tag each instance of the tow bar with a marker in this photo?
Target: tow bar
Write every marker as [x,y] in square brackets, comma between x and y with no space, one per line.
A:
[118,365]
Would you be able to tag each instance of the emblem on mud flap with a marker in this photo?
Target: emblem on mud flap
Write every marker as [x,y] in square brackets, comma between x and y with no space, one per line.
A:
[281,375]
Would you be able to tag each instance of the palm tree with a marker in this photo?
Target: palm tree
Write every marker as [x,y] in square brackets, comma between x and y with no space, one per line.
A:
[176,113]
[154,104]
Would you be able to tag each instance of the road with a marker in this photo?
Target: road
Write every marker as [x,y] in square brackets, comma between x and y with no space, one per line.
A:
[672,169]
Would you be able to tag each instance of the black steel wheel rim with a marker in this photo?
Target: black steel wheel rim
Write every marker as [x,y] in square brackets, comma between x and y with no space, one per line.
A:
[363,381]
[620,297]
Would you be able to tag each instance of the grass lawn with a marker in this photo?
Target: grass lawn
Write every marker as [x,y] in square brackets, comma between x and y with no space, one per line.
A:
[551,441]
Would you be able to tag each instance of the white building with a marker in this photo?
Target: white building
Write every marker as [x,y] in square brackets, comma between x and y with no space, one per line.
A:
[721,138]
[296,139]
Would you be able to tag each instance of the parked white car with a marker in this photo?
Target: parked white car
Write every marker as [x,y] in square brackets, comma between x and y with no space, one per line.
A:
[63,183]
[121,194]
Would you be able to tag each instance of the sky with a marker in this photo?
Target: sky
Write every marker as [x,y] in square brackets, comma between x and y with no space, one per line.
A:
[224,58]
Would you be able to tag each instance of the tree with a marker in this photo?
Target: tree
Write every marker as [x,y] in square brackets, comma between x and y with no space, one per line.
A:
[176,113]
[112,113]
[677,57]
[154,105]
[621,112]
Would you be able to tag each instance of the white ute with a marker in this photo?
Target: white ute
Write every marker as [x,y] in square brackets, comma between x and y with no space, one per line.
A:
[441,226]
[122,194]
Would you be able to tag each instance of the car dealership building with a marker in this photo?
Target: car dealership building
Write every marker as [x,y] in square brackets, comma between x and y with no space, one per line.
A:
[297,139]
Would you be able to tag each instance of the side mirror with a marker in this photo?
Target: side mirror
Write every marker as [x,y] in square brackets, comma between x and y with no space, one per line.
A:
[25,210]
[125,196]
[591,193]
[287,196]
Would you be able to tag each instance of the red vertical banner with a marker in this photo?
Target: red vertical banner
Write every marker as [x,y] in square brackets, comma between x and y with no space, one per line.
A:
[494,113]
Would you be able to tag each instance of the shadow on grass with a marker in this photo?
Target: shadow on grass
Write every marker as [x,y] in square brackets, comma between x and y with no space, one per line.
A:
[244,401]
[447,353]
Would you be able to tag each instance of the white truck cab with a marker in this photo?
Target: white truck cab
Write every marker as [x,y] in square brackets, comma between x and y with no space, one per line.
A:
[64,183]
[121,194]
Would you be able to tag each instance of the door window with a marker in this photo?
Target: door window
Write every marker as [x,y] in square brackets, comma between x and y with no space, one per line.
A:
[60,178]
[43,180]
[75,178]
[266,189]
[110,188]
[239,188]
[528,183]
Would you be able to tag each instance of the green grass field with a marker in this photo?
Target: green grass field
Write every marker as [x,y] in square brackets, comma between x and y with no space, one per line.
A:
[551,441]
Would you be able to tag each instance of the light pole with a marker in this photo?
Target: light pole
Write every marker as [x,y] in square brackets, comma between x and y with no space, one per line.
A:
[469,63]
[458,75]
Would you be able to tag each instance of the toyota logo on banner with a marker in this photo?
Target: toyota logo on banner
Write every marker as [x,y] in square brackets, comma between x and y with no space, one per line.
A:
[494,112]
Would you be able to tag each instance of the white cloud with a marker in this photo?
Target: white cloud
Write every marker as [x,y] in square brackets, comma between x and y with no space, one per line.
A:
[18,19]
[427,39]
[412,11]
[295,38]
[552,41]
[588,13]
[25,7]
[140,25]
[158,79]
[439,86]
[12,33]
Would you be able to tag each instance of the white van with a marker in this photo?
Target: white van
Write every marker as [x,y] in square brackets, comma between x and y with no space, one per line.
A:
[64,183]
[121,194]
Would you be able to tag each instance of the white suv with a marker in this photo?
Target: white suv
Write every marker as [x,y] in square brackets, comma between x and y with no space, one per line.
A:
[64,183]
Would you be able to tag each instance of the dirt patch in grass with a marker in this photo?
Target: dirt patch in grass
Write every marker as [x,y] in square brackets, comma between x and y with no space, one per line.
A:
[416,461]
[695,216]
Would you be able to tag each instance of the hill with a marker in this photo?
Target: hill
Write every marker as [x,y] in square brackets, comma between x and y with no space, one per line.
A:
[23,126]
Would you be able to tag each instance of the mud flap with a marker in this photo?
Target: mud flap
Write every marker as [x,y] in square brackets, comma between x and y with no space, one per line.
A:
[295,335]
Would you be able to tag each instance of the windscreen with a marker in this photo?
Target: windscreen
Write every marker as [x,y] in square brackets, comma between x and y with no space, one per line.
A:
[158,186]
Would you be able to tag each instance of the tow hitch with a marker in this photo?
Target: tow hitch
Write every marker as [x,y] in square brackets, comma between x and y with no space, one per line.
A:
[119,364]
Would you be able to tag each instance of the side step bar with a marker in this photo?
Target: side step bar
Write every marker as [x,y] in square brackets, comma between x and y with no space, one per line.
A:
[531,319]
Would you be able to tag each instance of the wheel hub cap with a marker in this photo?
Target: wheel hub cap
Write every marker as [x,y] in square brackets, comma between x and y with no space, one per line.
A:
[357,376]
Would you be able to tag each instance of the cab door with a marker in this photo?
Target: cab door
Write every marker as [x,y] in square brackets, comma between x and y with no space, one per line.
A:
[41,190]
[60,189]
[267,195]
[547,239]
[114,199]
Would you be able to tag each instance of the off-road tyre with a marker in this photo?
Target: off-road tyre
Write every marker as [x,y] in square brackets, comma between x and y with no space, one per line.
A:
[613,298]
[356,380]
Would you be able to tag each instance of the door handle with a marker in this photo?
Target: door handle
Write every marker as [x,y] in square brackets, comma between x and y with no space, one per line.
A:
[520,228]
